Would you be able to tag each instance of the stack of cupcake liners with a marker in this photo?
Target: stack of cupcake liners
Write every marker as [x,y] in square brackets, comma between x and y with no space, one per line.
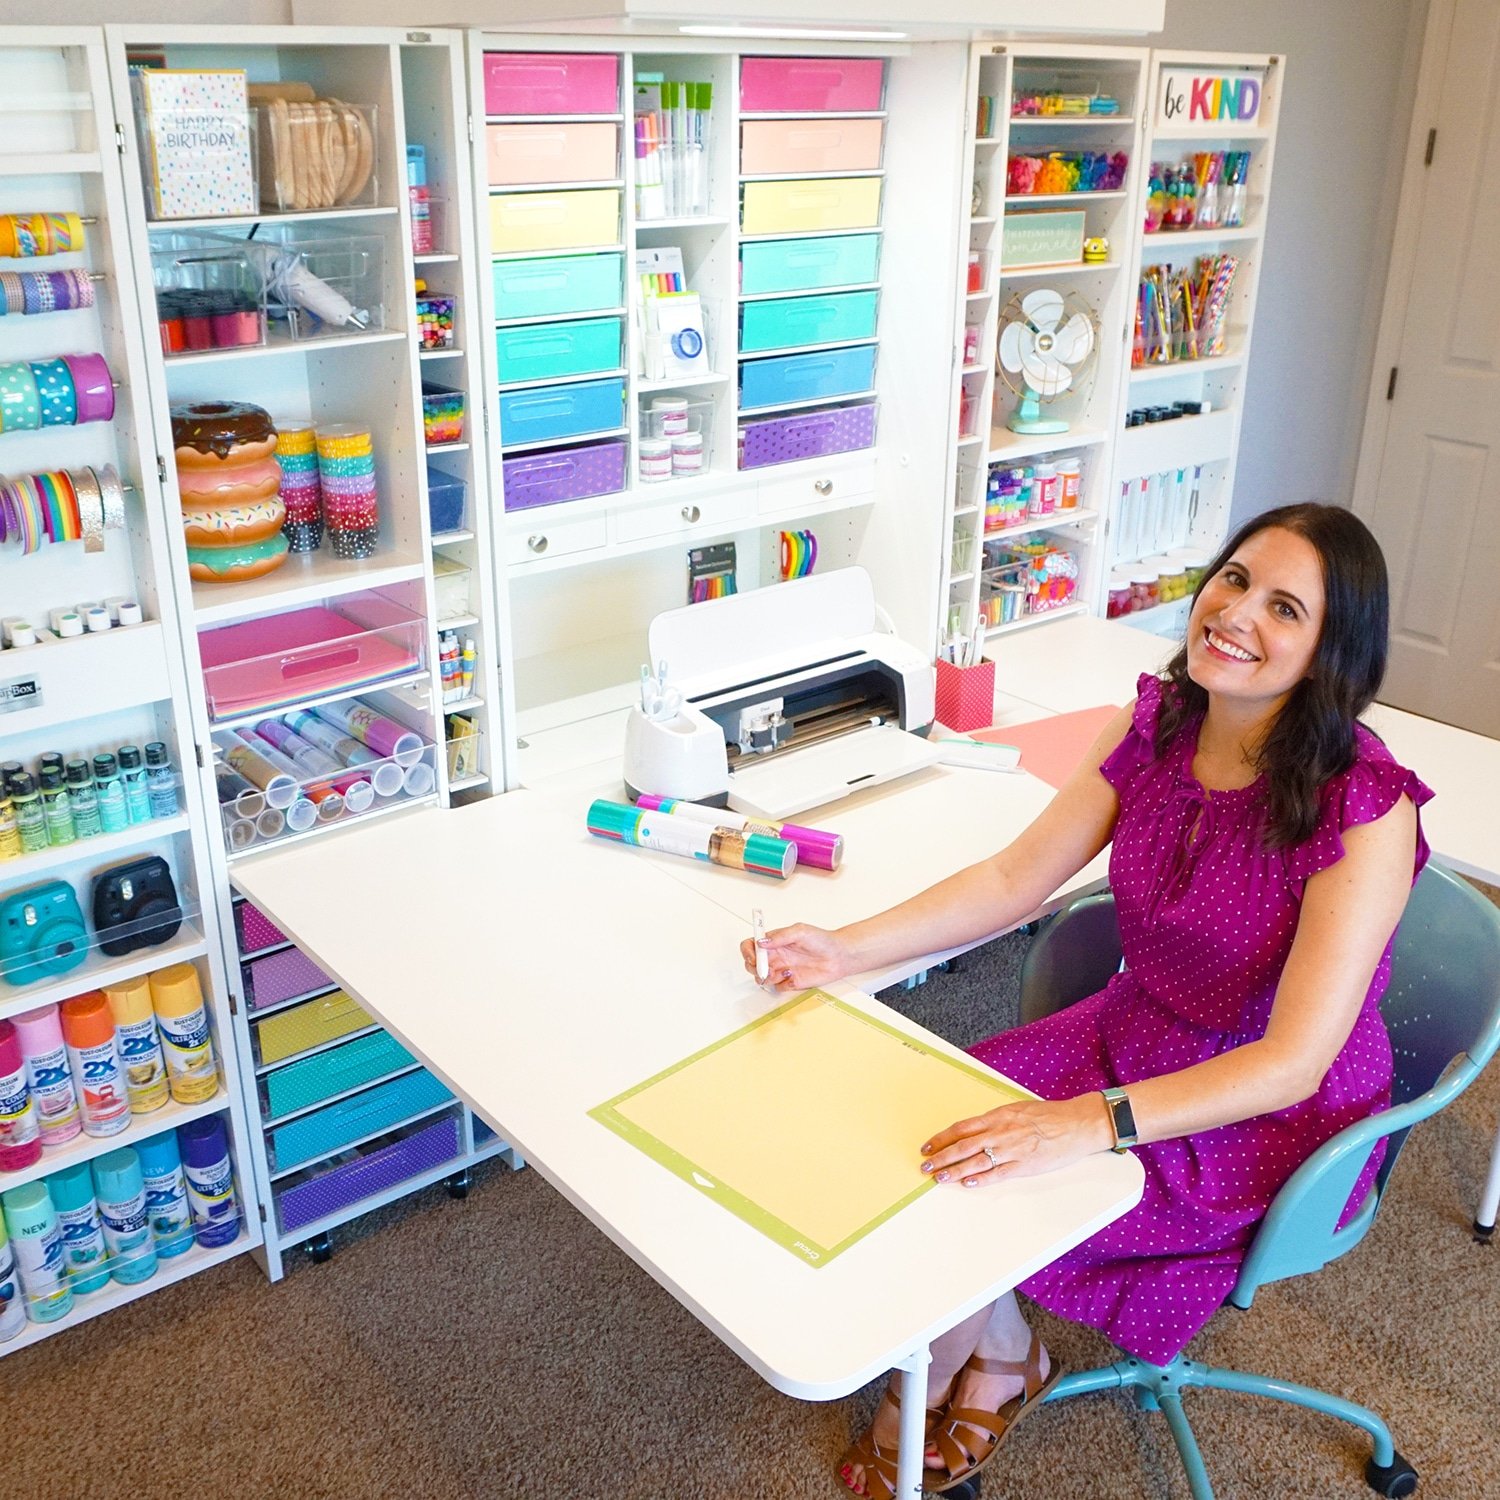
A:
[301,491]
[346,472]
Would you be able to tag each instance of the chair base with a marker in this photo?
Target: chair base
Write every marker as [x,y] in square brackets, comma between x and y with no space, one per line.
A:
[1160,1387]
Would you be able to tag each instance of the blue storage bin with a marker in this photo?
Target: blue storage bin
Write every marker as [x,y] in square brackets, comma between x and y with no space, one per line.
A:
[335,1071]
[556,284]
[375,1109]
[547,351]
[806,377]
[785,322]
[445,501]
[806,265]
[561,411]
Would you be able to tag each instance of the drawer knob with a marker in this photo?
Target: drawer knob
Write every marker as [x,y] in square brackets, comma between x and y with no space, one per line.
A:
[691,514]
[537,543]
[823,486]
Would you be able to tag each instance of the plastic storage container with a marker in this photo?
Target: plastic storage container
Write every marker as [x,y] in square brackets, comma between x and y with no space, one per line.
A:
[300,1085]
[551,151]
[815,434]
[551,83]
[792,85]
[806,377]
[254,930]
[310,1024]
[786,322]
[554,221]
[550,351]
[563,474]
[442,415]
[280,976]
[803,204]
[806,265]
[562,411]
[367,1113]
[810,145]
[553,285]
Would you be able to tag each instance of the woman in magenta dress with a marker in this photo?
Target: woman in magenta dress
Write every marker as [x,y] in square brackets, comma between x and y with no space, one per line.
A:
[1264,843]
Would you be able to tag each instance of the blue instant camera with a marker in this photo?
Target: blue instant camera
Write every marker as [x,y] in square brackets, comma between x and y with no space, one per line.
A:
[41,933]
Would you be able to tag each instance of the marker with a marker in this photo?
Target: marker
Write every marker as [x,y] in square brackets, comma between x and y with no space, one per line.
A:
[762,965]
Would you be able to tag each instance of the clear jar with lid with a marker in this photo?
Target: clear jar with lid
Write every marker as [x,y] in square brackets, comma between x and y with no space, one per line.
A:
[1120,600]
[1070,474]
[1171,578]
[1195,563]
[1144,585]
[654,459]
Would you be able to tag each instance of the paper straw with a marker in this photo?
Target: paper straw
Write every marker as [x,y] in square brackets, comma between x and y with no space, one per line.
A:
[757,852]
[823,851]
[381,734]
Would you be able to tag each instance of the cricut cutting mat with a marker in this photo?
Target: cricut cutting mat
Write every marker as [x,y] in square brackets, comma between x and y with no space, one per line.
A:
[807,1123]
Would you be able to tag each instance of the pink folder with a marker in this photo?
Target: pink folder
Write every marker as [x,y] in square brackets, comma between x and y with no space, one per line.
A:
[1051,748]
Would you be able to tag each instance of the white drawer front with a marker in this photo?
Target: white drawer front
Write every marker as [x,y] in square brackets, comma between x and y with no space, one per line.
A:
[554,538]
[817,487]
[682,515]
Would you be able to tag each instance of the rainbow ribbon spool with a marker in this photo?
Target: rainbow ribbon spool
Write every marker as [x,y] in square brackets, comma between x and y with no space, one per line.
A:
[799,554]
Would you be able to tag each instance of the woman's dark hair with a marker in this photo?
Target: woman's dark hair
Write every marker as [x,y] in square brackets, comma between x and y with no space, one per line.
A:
[1313,736]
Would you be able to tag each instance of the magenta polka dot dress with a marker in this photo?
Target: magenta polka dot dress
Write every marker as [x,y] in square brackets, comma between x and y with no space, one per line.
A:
[1206,922]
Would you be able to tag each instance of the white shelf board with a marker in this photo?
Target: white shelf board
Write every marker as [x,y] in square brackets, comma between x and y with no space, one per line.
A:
[807,234]
[320,830]
[447,538]
[296,216]
[810,291]
[446,448]
[685,383]
[748,356]
[463,705]
[1006,445]
[767,411]
[457,622]
[1163,241]
[1026,622]
[510,255]
[979,221]
[1068,122]
[453,353]
[572,317]
[99,971]
[619,373]
[1020,200]
[1071,268]
[1146,374]
[1057,520]
[434,257]
[502,190]
[303,578]
[29,867]
[466,783]
[51,103]
[557,442]
[275,346]
[685,221]
[50,163]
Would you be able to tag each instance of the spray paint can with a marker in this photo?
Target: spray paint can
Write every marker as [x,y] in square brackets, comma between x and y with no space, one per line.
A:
[48,1076]
[166,1195]
[177,998]
[12,1304]
[20,1136]
[140,1047]
[36,1238]
[84,1252]
[210,1180]
[122,1213]
[88,1028]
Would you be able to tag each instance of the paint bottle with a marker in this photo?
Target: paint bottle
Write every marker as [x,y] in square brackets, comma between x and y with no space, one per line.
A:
[133,776]
[12,1304]
[48,1076]
[31,821]
[20,1137]
[84,1252]
[57,811]
[140,1047]
[83,798]
[161,782]
[166,1195]
[122,1212]
[88,1028]
[10,834]
[210,1180]
[36,1238]
[177,998]
[111,791]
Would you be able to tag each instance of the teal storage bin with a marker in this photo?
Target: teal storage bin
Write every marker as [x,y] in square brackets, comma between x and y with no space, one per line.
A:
[376,1109]
[545,351]
[806,377]
[335,1071]
[806,265]
[553,285]
[561,411]
[785,322]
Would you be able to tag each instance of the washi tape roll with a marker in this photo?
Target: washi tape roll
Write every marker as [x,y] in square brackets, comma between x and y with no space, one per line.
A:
[54,386]
[92,387]
[113,491]
[20,405]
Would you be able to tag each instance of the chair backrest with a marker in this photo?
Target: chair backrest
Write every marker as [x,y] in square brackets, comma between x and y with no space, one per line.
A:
[1073,955]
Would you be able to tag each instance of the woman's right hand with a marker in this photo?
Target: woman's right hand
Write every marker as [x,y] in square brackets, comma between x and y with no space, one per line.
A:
[799,957]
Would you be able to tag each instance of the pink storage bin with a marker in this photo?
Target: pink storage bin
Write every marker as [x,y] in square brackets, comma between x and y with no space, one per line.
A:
[551,83]
[280,976]
[810,145]
[543,152]
[255,929]
[789,85]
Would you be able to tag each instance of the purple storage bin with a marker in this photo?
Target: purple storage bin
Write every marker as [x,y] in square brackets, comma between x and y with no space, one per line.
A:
[558,474]
[279,976]
[370,1172]
[255,929]
[807,434]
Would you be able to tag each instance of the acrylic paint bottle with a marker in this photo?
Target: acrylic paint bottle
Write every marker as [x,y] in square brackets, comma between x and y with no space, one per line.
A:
[166,1195]
[48,1075]
[36,1238]
[20,1135]
[185,1038]
[111,792]
[140,1046]
[12,1304]
[133,777]
[83,798]
[210,1180]
[57,810]
[121,1192]
[84,1252]
[88,1028]
[161,781]
[31,820]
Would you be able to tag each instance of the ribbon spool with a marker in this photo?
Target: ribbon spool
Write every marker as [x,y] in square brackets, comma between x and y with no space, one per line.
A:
[62,506]
[799,554]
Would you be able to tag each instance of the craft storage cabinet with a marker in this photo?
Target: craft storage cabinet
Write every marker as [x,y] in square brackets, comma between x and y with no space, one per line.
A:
[91,692]
[331,688]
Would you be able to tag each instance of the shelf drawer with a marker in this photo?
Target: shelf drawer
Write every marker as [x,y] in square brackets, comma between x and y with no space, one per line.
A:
[551,83]
[809,434]
[842,486]
[785,322]
[549,478]
[553,286]
[806,377]
[789,85]
[551,152]
[367,1170]
[336,1071]
[683,515]
[310,1025]
[279,976]
[545,351]
[806,265]
[561,411]
[810,145]
[556,539]
[254,929]
[376,1109]
[810,203]
[558,221]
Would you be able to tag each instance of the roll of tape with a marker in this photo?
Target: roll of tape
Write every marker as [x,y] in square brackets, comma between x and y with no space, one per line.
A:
[113,491]
[20,405]
[90,508]
[54,385]
[93,389]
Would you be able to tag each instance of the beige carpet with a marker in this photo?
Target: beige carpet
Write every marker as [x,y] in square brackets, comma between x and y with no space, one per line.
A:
[501,1347]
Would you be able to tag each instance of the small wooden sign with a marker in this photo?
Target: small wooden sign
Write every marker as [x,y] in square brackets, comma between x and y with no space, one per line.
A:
[1220,101]
[1049,238]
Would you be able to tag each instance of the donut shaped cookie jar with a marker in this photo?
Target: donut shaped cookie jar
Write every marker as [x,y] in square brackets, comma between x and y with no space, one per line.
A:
[229,482]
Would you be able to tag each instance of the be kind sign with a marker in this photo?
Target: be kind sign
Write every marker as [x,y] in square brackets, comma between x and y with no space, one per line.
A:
[1192,97]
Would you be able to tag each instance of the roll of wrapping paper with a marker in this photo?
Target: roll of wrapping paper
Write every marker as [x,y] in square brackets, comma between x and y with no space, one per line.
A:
[385,775]
[27,235]
[237,793]
[308,807]
[384,736]
[759,853]
[354,786]
[823,851]
[280,789]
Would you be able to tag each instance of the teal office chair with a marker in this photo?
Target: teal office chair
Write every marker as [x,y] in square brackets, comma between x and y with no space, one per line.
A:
[1442,1008]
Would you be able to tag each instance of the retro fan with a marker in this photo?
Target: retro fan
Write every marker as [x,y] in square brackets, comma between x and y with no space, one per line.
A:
[1047,342]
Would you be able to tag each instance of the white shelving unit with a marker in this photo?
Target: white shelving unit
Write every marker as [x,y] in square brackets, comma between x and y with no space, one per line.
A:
[1173,480]
[411,87]
[129,685]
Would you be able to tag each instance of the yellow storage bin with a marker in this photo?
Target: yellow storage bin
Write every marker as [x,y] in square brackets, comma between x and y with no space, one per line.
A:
[810,203]
[554,221]
[308,1025]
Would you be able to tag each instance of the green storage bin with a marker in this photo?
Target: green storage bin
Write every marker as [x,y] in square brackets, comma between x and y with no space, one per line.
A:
[547,351]
[376,1109]
[789,322]
[553,285]
[804,265]
[335,1071]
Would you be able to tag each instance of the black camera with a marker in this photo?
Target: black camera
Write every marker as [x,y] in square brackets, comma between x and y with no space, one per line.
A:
[135,906]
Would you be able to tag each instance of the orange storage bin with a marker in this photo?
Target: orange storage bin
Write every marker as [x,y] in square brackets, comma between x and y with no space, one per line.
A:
[552,151]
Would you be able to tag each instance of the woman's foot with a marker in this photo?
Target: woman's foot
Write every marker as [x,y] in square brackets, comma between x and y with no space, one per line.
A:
[990,1397]
[876,1449]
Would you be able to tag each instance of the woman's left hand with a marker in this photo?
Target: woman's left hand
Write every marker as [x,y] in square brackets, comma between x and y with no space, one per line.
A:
[1024,1139]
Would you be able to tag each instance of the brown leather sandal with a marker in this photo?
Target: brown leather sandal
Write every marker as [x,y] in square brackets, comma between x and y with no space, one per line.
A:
[880,1463]
[964,1458]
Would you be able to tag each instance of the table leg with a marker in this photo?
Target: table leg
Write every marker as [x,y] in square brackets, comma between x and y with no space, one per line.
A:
[1484,1222]
[913,1436]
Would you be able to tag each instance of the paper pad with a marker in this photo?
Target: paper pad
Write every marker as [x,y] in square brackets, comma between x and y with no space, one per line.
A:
[807,1123]
[1051,748]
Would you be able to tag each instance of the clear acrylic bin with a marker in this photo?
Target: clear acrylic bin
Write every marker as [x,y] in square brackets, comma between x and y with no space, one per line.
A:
[464,747]
[442,414]
[450,588]
[199,156]
[447,502]
[318,154]
[49,938]
[680,353]
[675,441]
[208,294]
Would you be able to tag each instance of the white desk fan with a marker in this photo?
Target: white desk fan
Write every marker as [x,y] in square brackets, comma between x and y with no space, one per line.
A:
[1047,341]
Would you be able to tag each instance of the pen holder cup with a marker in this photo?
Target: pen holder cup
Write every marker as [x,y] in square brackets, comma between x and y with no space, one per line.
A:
[965,697]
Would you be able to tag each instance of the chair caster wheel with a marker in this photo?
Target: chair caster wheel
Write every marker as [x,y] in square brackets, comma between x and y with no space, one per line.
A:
[319,1249]
[457,1184]
[968,1490]
[1394,1482]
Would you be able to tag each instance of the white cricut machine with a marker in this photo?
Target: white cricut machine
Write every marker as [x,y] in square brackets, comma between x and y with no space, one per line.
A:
[791,697]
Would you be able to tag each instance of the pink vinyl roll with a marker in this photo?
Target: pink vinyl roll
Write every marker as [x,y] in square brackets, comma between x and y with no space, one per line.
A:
[92,386]
[383,735]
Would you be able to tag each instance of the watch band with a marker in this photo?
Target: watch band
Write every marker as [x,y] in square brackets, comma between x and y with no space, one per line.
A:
[1122,1118]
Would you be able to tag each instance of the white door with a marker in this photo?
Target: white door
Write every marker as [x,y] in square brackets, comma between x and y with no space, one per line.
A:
[1430,483]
